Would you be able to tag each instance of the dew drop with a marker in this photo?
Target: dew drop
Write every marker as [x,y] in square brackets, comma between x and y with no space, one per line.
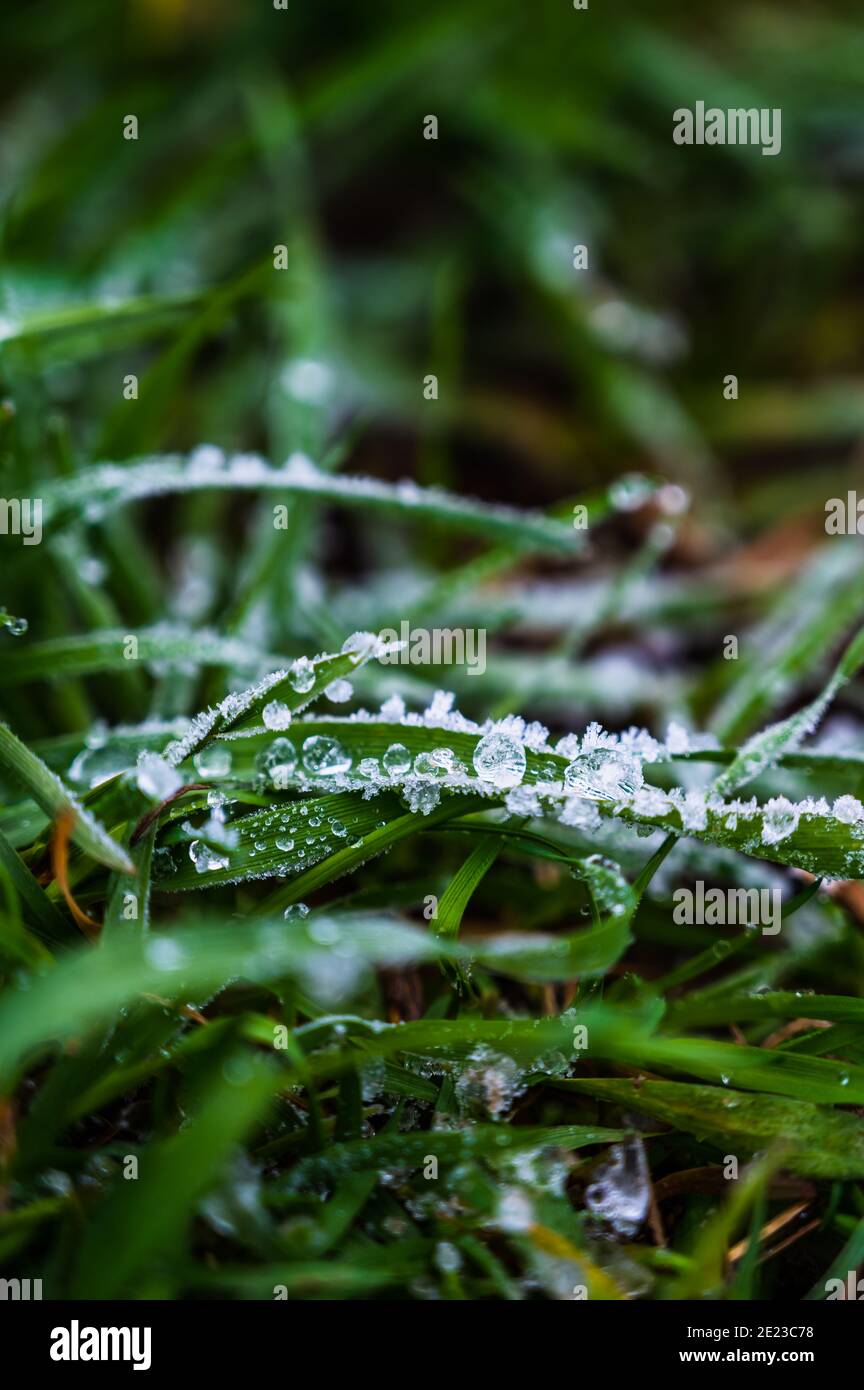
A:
[396,760]
[500,759]
[213,761]
[324,756]
[301,676]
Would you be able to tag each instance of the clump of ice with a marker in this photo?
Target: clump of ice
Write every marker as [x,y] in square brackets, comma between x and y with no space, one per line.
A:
[604,774]
[339,691]
[621,1191]
[779,820]
[848,810]
[488,1084]
[421,796]
[276,715]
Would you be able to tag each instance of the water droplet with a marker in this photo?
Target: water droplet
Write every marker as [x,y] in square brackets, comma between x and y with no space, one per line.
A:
[279,760]
[205,859]
[324,756]
[500,759]
[16,627]
[213,761]
[164,953]
[296,910]
[301,677]
[433,765]
[631,492]
[396,760]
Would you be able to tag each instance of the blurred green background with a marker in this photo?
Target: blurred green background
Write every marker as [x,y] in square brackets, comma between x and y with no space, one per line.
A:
[303,128]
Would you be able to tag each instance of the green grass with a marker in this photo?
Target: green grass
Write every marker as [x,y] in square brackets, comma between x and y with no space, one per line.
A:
[387,1026]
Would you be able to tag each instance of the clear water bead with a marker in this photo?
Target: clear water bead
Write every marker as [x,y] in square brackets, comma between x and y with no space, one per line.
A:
[279,760]
[434,765]
[324,756]
[295,911]
[205,859]
[500,759]
[301,677]
[213,761]
[396,760]
[16,627]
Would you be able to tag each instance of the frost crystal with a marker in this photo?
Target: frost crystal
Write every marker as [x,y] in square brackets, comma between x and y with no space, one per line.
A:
[779,820]
[339,691]
[439,710]
[523,801]
[651,802]
[422,796]
[276,715]
[848,809]
[393,709]
[677,739]
[691,807]
[580,814]
[515,1213]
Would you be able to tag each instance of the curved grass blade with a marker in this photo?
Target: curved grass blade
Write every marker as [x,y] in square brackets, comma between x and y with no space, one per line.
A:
[763,751]
[52,797]
[822,1143]
[108,486]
